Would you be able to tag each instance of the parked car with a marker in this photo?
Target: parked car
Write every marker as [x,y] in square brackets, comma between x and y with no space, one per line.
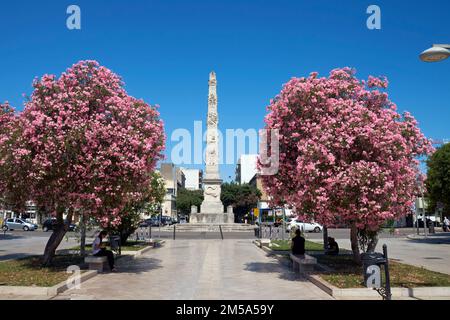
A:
[50,224]
[153,222]
[167,221]
[145,223]
[183,220]
[306,226]
[18,224]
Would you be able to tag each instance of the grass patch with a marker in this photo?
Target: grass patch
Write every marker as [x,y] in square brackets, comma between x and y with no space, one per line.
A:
[129,246]
[29,271]
[285,245]
[349,275]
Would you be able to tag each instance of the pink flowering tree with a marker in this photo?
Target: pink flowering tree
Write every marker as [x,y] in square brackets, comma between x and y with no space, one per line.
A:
[13,175]
[346,156]
[91,147]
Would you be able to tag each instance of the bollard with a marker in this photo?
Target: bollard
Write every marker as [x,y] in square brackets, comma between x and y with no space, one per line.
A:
[174,230]
[386,272]
[221,233]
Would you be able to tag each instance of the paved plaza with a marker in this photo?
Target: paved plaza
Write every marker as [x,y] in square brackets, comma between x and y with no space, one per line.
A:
[199,269]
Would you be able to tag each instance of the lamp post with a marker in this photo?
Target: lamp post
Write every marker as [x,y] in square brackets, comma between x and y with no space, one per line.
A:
[438,52]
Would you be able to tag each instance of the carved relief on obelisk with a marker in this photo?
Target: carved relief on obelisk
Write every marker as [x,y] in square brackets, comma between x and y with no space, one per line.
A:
[212,140]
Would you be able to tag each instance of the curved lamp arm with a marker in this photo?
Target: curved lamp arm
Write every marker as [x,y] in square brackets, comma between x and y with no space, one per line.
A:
[438,52]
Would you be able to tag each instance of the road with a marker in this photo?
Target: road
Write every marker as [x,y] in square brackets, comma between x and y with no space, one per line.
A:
[19,244]
[345,234]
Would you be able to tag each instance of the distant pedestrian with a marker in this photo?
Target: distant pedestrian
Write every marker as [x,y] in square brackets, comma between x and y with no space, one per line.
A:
[446,225]
[99,250]
[333,247]
[298,243]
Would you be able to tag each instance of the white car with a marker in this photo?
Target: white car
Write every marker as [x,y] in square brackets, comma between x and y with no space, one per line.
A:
[305,226]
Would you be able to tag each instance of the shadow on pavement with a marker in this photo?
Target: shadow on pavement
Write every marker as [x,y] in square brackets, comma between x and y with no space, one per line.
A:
[439,238]
[16,256]
[10,236]
[137,265]
[274,267]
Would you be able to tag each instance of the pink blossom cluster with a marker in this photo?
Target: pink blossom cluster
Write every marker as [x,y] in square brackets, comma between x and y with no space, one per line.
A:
[9,129]
[346,155]
[86,144]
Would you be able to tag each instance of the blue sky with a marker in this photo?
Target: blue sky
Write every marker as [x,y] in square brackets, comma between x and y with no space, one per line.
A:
[164,50]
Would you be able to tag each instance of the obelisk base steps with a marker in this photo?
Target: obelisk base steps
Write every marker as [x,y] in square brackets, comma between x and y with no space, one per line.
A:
[214,218]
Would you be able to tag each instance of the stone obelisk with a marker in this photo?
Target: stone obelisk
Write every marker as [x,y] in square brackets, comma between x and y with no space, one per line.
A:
[212,210]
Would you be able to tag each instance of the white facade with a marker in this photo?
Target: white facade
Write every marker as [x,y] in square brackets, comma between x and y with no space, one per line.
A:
[246,168]
[193,178]
[174,179]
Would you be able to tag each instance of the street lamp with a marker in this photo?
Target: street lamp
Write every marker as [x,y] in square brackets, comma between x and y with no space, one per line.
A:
[438,52]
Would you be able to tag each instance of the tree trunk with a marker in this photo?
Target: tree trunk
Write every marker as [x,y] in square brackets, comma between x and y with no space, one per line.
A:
[325,239]
[124,237]
[56,238]
[354,242]
[372,244]
[82,234]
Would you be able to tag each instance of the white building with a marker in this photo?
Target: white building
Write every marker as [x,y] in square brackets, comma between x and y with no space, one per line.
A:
[193,178]
[174,179]
[246,168]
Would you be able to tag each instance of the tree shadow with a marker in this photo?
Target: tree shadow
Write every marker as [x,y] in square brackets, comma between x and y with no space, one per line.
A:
[440,238]
[130,265]
[16,256]
[281,269]
[10,236]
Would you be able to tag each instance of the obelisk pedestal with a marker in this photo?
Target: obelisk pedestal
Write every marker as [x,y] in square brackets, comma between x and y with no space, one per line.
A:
[212,209]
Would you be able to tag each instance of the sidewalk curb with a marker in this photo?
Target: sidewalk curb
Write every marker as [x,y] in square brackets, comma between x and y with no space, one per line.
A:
[362,293]
[437,235]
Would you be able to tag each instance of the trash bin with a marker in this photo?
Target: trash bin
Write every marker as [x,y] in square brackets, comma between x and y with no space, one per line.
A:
[370,259]
[431,227]
[115,244]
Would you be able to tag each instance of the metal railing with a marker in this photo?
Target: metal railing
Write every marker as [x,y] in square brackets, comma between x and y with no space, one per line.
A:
[148,233]
[269,231]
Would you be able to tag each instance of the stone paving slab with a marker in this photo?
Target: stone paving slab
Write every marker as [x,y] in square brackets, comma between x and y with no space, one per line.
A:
[199,269]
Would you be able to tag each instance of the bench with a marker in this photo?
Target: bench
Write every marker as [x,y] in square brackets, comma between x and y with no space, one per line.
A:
[96,263]
[303,263]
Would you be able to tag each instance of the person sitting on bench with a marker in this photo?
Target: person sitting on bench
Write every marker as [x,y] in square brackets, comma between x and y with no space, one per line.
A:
[333,247]
[99,250]
[298,244]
